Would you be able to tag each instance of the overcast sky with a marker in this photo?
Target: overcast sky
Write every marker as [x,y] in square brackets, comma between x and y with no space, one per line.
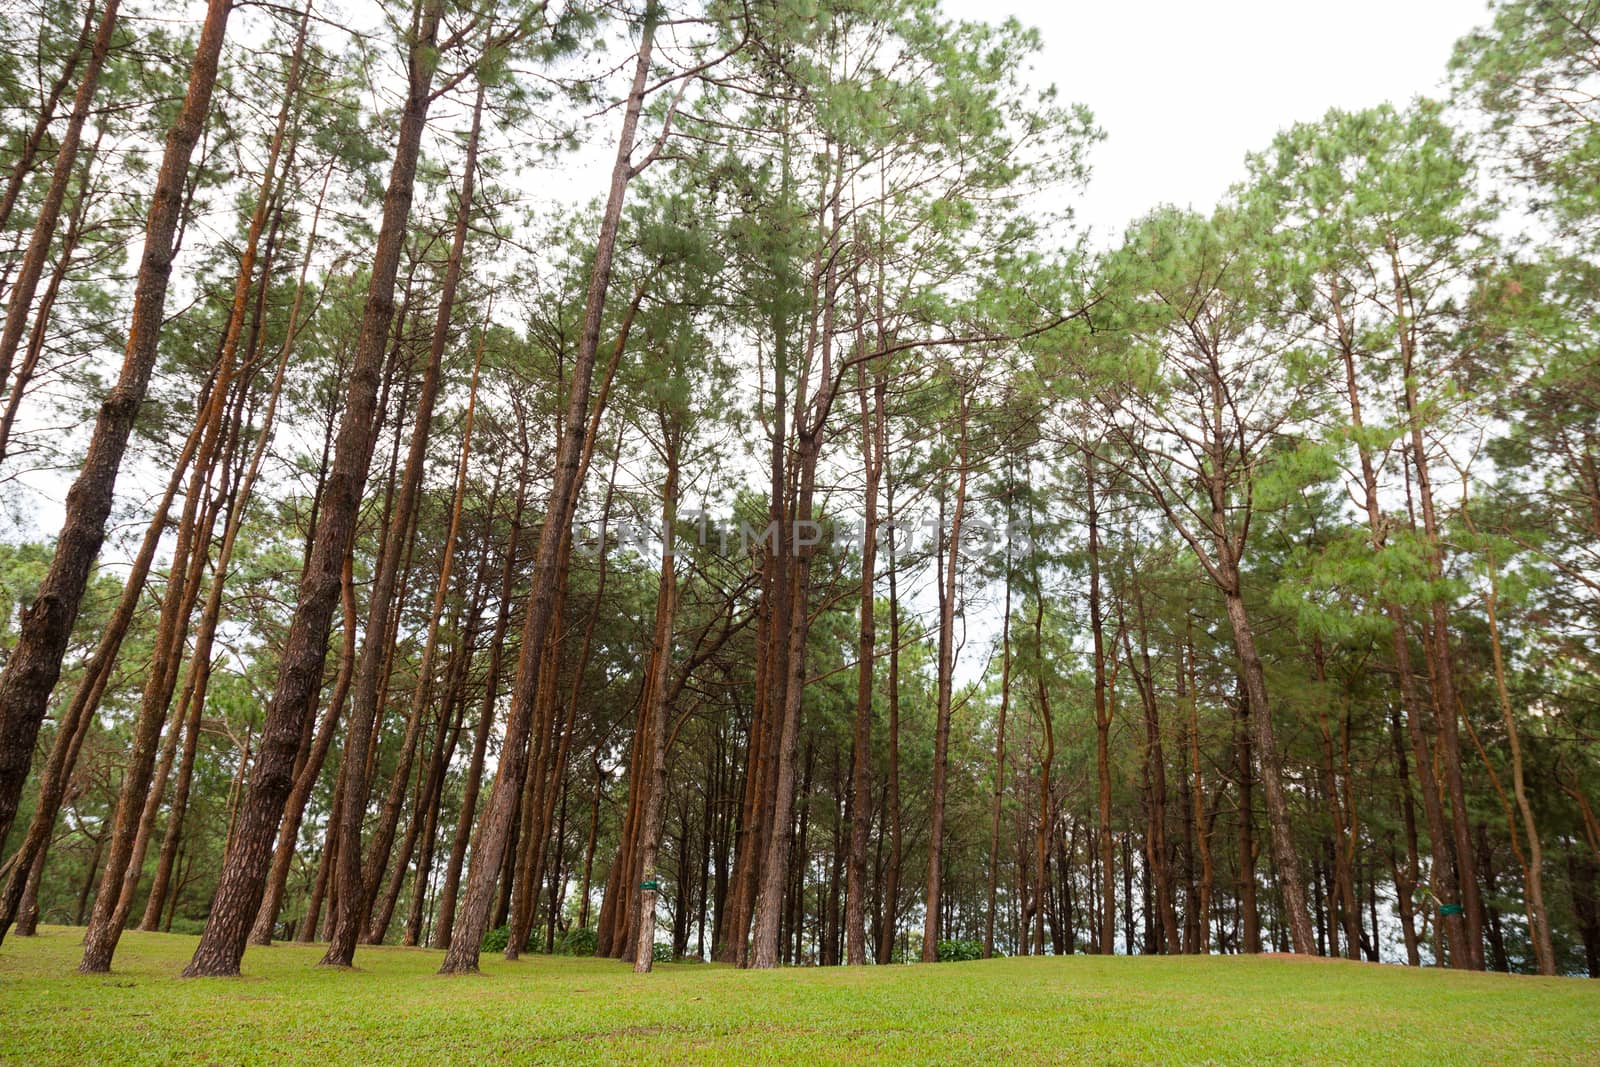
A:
[1184,90]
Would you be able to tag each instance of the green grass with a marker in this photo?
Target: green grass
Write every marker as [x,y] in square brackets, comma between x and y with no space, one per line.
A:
[395,1010]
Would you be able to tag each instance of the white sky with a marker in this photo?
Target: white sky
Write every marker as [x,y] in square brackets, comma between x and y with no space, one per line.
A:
[1183,90]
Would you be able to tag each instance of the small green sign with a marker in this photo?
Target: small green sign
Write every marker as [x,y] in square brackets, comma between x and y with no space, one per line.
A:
[652,886]
[1450,909]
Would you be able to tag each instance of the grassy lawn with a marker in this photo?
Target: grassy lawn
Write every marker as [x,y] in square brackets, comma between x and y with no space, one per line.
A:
[556,1010]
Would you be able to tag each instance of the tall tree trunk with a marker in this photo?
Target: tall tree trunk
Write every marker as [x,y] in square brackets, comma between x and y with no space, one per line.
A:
[1197,792]
[891,888]
[1405,882]
[999,743]
[44,225]
[1158,853]
[655,723]
[425,671]
[126,855]
[41,317]
[792,628]
[442,753]
[241,886]
[310,768]
[1345,908]
[1533,867]
[1047,732]
[1438,645]
[34,665]
[493,836]
[177,810]
[1285,857]
[1444,872]
[1102,720]
[588,849]
[106,919]
[861,759]
[28,156]
[75,722]
[308,774]
[945,687]
[444,923]
[1249,914]
[360,878]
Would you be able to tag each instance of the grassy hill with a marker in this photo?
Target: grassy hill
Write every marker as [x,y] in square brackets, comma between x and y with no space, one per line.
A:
[557,1010]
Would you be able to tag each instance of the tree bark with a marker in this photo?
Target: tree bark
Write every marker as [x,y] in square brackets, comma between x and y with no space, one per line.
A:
[655,723]
[891,887]
[74,723]
[1438,645]
[1102,719]
[462,956]
[999,746]
[945,692]
[861,760]
[364,709]
[28,157]
[1444,872]
[41,317]
[44,226]
[444,923]
[242,883]
[130,833]
[34,665]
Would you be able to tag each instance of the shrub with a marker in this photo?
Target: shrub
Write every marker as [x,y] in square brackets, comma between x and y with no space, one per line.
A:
[496,940]
[578,941]
[662,953]
[959,951]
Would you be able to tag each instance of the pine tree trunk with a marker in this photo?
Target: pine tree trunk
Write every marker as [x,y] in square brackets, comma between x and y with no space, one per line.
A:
[1445,875]
[766,942]
[310,767]
[891,890]
[1442,670]
[945,690]
[1153,764]
[656,725]
[588,849]
[49,214]
[1102,718]
[491,847]
[861,762]
[175,817]
[128,834]
[444,923]
[1250,915]
[28,156]
[242,883]
[309,772]
[1046,764]
[34,665]
[80,713]
[356,907]
[1405,882]
[999,745]
[52,289]
[106,919]
[1538,915]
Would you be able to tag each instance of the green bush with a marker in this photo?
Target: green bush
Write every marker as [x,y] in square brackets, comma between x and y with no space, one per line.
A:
[578,941]
[662,953]
[496,940]
[959,951]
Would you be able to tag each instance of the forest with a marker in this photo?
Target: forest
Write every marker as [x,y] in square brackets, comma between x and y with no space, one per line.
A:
[672,480]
